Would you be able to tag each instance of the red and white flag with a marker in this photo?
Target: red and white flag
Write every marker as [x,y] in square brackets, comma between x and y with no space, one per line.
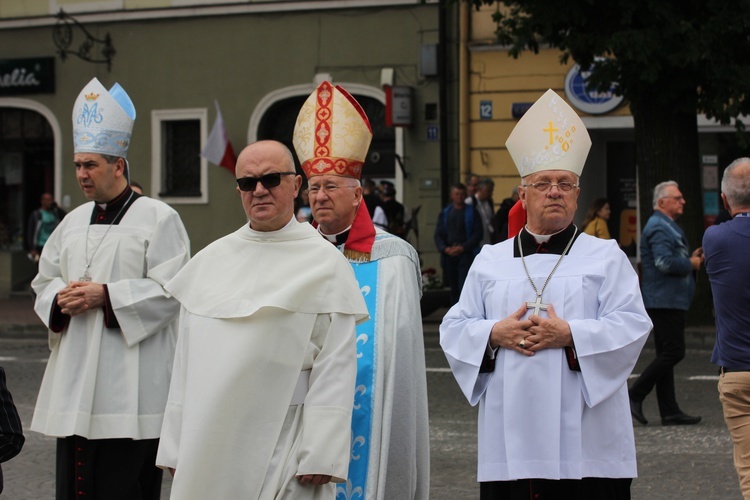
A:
[218,149]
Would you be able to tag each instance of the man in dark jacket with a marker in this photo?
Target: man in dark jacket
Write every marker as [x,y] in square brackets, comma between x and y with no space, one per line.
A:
[457,237]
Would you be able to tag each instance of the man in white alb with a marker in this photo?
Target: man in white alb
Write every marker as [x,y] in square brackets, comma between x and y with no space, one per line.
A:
[261,394]
[100,291]
[548,327]
[390,427]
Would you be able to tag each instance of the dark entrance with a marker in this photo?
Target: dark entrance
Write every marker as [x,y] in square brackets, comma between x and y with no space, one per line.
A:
[26,171]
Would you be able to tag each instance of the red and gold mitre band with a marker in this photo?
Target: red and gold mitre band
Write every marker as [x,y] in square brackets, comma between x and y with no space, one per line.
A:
[332,134]
[333,166]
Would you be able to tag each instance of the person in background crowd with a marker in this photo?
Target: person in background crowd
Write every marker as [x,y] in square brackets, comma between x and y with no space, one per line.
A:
[42,222]
[485,207]
[390,425]
[303,213]
[458,233]
[501,217]
[668,283]
[395,212]
[595,221]
[371,195]
[472,183]
[136,187]
[725,250]
[112,326]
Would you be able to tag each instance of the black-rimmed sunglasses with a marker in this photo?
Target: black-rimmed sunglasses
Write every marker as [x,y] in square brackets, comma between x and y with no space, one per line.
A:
[269,181]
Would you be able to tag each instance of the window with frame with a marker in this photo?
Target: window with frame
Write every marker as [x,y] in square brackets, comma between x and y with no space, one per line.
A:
[179,173]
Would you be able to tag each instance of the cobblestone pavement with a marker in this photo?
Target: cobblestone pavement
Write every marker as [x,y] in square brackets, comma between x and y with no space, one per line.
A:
[692,462]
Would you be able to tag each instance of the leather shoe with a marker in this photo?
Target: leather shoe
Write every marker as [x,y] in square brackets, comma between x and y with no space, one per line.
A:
[636,410]
[680,419]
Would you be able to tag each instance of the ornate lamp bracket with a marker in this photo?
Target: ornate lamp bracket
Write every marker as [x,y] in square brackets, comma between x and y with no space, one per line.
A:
[62,35]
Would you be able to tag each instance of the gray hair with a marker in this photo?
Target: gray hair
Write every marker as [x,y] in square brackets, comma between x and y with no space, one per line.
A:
[736,187]
[660,189]
[486,182]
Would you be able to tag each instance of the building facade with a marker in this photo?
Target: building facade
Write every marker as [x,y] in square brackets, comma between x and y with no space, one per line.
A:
[258,60]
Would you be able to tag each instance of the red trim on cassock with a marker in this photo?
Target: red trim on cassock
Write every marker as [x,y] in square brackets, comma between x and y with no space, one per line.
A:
[361,236]
[516,219]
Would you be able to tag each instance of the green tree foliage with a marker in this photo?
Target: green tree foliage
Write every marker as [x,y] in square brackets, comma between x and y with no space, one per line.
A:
[671,60]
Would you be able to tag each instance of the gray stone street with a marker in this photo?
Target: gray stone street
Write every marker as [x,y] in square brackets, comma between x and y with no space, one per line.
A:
[692,462]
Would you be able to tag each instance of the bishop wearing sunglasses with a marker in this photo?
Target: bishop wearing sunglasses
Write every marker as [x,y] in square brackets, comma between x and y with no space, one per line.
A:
[266,351]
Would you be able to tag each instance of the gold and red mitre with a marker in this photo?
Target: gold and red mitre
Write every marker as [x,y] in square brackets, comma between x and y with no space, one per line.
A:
[332,133]
[331,137]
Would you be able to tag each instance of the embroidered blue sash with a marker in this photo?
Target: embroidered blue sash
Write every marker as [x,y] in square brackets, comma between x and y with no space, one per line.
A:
[356,483]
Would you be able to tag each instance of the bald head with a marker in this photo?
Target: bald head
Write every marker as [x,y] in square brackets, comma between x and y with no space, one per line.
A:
[268,206]
[735,186]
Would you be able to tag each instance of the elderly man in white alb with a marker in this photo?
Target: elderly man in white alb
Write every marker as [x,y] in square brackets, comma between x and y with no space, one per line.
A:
[113,328]
[390,427]
[261,394]
[546,332]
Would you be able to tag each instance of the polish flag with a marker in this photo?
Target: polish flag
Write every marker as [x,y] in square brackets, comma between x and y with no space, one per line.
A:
[218,149]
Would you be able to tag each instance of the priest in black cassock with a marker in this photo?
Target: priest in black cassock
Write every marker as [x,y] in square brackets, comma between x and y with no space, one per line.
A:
[548,327]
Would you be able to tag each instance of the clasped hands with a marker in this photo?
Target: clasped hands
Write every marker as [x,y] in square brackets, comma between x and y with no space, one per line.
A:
[532,334]
[79,297]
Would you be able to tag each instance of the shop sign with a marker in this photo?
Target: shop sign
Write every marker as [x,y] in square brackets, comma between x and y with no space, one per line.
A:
[592,102]
[398,106]
[27,76]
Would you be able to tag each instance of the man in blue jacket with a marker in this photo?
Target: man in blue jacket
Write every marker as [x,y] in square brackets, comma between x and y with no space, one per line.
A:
[458,234]
[667,284]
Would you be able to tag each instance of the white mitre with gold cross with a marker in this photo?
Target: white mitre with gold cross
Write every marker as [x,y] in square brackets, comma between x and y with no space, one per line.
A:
[549,136]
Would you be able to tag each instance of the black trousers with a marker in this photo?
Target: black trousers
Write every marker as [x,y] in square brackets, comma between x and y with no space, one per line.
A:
[588,488]
[107,469]
[669,340]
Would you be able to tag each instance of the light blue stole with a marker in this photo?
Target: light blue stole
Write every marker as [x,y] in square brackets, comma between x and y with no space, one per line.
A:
[356,483]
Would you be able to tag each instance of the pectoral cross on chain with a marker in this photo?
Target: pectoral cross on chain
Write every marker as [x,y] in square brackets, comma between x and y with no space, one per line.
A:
[537,305]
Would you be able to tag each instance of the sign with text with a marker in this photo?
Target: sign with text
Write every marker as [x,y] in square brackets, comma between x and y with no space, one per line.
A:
[398,106]
[27,76]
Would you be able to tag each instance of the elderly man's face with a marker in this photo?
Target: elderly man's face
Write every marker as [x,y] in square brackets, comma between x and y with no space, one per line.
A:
[549,209]
[268,208]
[334,201]
[672,203]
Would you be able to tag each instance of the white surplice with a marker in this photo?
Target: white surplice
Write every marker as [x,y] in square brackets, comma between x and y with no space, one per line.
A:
[538,418]
[399,438]
[111,383]
[258,309]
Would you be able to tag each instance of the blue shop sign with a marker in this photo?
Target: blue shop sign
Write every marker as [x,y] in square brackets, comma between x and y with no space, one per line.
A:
[592,102]
[27,76]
